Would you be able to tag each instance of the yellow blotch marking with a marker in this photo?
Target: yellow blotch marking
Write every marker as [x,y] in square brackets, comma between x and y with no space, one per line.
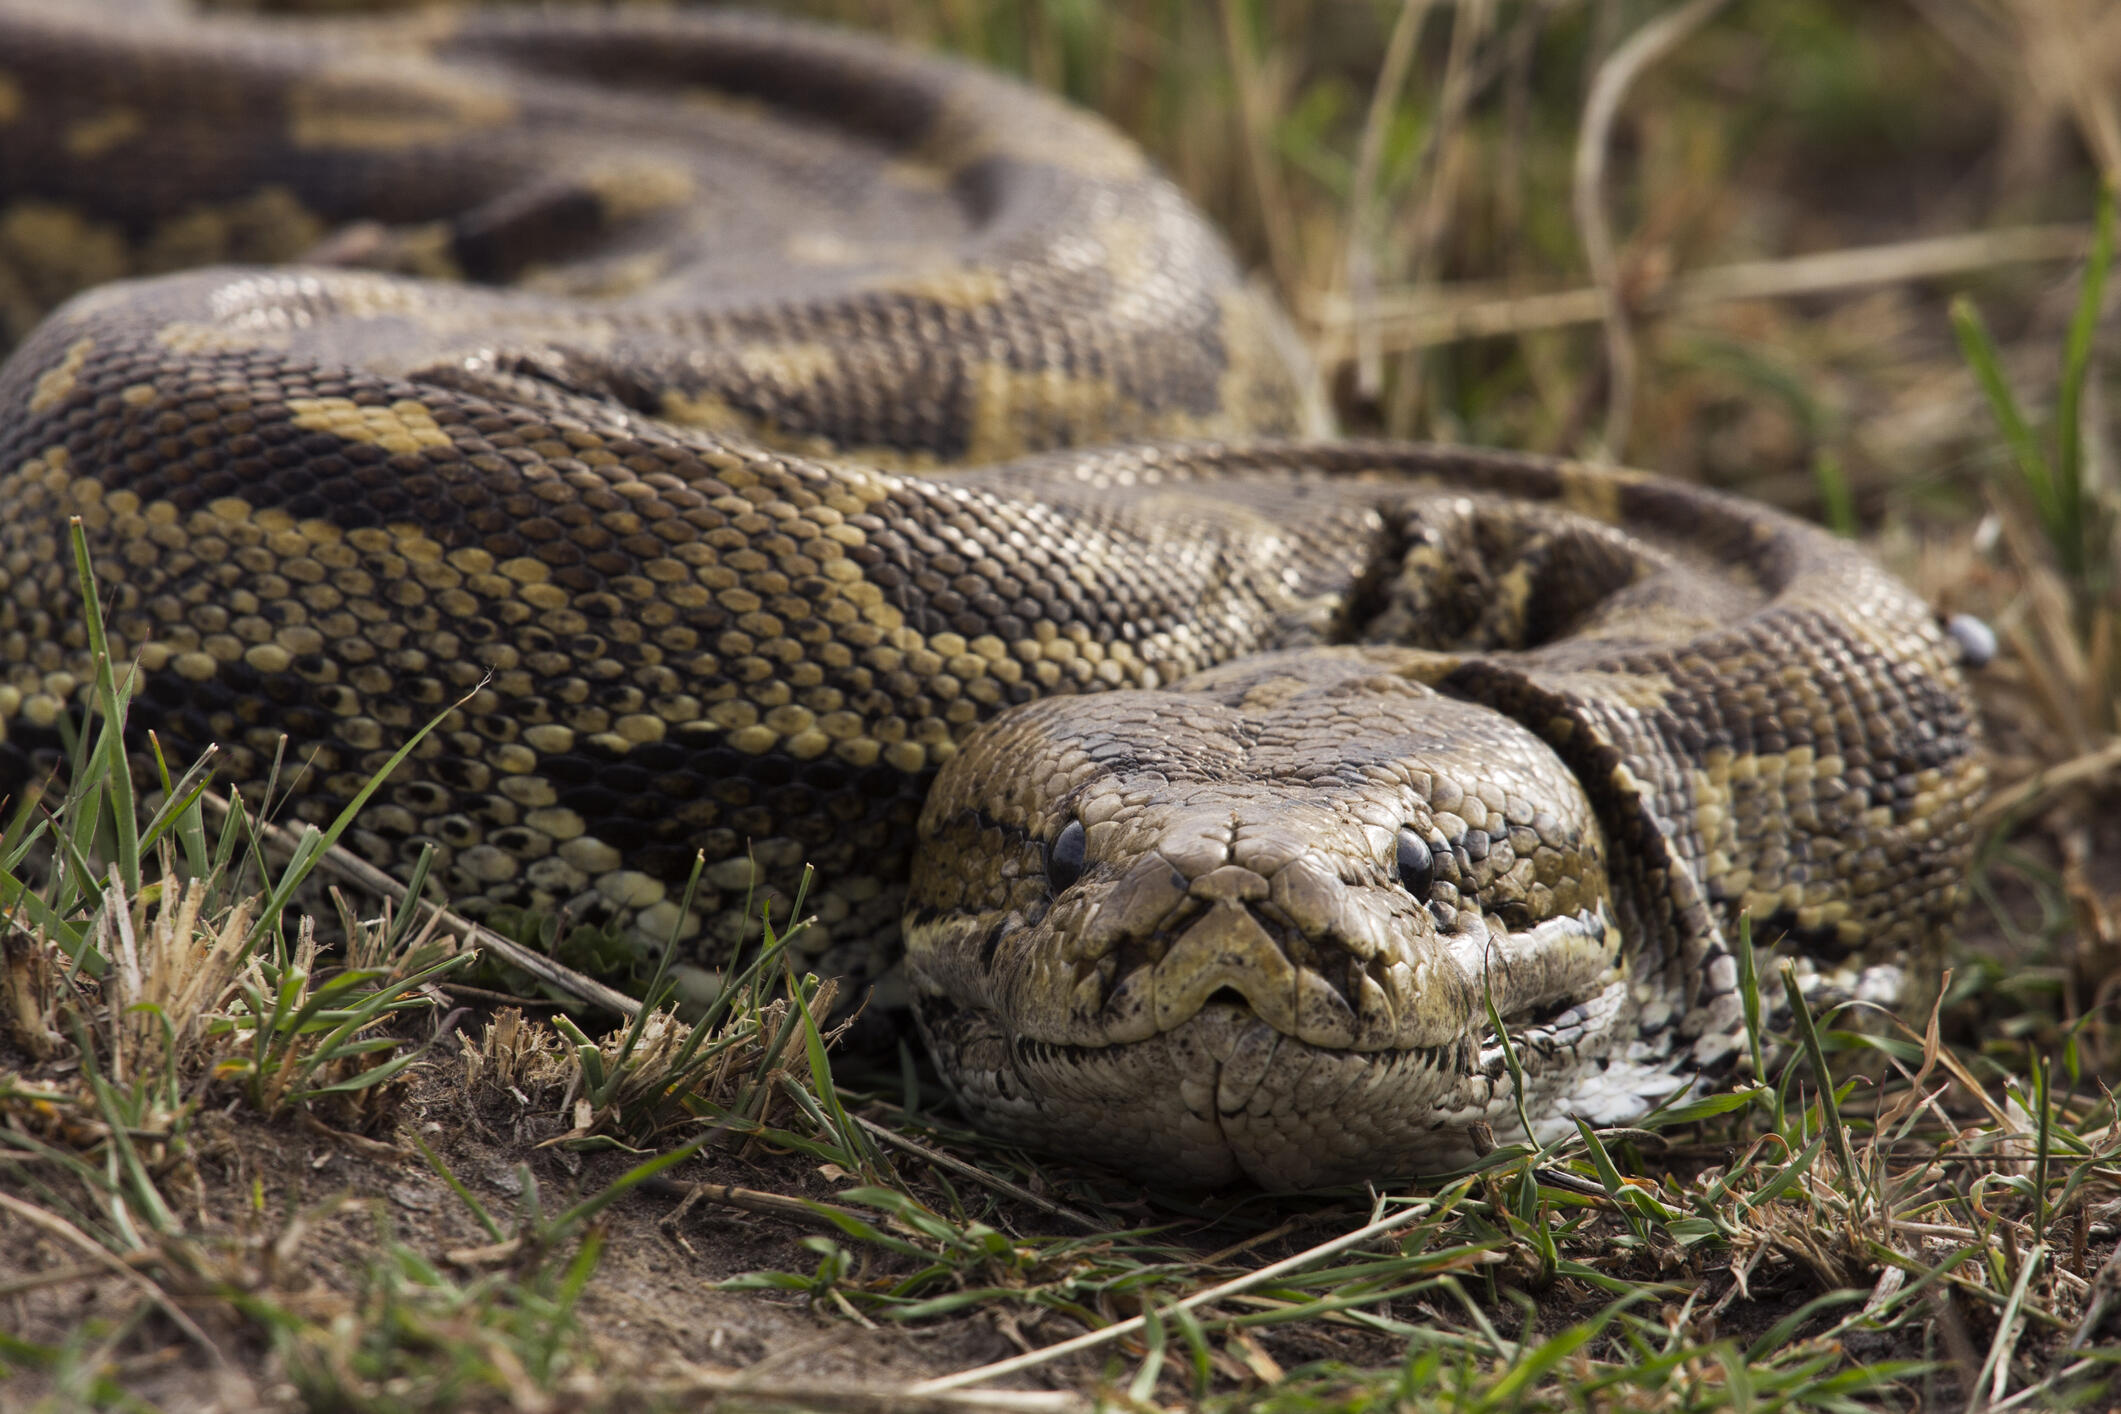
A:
[821,248]
[383,105]
[1590,492]
[1014,412]
[605,280]
[951,287]
[789,365]
[641,189]
[92,137]
[186,336]
[402,426]
[707,412]
[58,381]
[702,99]
[268,225]
[10,98]
[713,415]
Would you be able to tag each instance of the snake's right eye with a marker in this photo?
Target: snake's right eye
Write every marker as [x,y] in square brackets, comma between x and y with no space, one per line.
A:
[1415,864]
[1064,857]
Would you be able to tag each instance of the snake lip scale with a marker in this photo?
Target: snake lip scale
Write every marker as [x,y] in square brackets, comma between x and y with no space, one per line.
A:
[765,443]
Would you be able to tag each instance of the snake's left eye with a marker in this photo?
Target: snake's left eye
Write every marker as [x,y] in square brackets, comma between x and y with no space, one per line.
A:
[1417,866]
[1065,856]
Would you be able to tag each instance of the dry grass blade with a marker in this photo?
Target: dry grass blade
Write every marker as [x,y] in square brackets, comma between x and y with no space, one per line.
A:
[2071,49]
[2089,768]
[1256,112]
[1593,220]
[1361,267]
[746,1391]
[74,1237]
[1274,1271]
[1402,320]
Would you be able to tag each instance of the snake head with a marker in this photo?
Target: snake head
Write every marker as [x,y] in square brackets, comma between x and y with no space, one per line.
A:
[1147,926]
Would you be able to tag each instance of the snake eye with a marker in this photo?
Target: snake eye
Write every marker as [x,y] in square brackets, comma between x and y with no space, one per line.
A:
[1417,866]
[1064,857]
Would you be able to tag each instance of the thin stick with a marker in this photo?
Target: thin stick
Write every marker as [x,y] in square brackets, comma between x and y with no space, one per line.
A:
[1594,223]
[57,1276]
[342,863]
[1420,318]
[2098,1302]
[1271,1272]
[2091,766]
[742,1389]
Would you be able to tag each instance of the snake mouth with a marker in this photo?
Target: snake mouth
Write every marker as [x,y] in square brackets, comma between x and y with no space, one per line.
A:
[1219,1057]
[1224,1097]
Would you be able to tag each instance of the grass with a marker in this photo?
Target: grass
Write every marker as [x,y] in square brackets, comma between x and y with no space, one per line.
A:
[255,1170]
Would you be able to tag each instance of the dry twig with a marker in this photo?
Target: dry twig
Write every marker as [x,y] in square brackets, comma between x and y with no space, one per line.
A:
[1415,318]
[1615,76]
[345,865]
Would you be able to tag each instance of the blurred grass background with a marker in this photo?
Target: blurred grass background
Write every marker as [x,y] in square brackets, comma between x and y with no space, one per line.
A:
[1414,162]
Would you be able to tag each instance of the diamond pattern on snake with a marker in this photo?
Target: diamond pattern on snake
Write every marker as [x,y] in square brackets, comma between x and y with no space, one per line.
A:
[786,447]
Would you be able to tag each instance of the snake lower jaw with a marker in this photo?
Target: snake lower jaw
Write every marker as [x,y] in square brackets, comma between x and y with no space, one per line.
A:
[1224,1097]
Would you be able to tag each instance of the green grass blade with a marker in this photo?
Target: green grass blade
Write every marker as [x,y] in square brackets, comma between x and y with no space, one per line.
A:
[111,701]
[1979,350]
[1829,1108]
[2075,508]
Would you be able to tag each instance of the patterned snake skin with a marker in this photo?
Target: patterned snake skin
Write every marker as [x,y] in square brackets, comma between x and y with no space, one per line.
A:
[1221,785]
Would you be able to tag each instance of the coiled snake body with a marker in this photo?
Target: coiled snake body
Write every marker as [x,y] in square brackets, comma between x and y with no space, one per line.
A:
[1222,784]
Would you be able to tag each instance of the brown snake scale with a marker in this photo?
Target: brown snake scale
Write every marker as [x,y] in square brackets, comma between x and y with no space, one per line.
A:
[652,378]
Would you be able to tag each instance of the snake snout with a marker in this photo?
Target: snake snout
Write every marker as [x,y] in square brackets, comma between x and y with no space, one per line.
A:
[1314,956]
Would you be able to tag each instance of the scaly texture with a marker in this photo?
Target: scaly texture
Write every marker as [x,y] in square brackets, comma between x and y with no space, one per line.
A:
[626,433]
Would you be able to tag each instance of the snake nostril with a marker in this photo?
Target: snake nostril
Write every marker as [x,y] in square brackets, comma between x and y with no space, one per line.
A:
[1228,996]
